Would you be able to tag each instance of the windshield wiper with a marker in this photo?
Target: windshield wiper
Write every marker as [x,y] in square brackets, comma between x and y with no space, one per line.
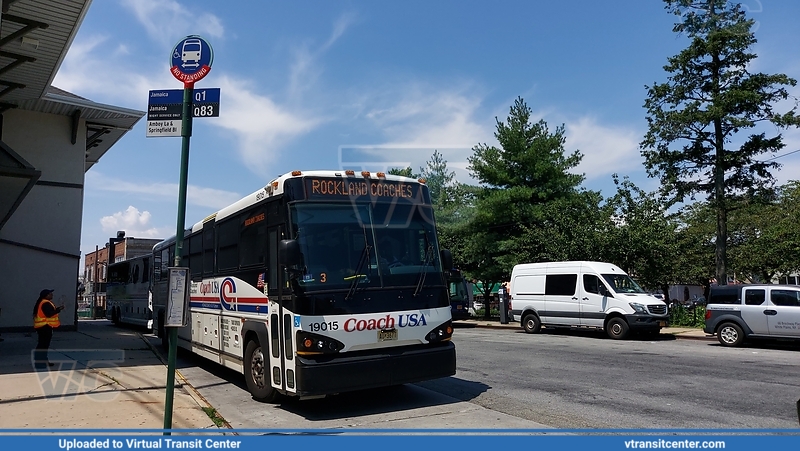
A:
[358,276]
[423,272]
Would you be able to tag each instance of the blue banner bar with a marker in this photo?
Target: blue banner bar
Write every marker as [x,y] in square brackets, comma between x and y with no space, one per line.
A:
[386,440]
[175,96]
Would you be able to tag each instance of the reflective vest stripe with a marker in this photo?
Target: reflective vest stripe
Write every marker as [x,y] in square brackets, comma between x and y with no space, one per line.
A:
[41,320]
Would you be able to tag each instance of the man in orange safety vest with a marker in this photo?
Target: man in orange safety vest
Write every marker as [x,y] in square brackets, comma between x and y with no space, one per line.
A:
[45,319]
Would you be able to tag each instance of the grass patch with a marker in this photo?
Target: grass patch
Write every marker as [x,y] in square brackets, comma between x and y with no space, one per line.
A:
[682,317]
[215,416]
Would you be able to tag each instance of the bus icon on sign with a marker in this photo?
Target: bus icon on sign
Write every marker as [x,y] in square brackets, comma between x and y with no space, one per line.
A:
[191,53]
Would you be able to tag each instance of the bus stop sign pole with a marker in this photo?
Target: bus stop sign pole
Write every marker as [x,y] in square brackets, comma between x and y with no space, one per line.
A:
[190,61]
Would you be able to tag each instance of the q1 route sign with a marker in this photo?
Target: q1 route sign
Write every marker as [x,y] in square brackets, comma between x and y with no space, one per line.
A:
[165,109]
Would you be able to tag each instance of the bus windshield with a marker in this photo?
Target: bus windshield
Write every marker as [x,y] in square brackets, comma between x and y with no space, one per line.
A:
[359,246]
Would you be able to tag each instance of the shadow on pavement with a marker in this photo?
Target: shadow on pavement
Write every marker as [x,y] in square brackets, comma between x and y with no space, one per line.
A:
[343,405]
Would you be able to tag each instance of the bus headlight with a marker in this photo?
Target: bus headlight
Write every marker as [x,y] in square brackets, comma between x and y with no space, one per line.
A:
[638,308]
[314,344]
[443,332]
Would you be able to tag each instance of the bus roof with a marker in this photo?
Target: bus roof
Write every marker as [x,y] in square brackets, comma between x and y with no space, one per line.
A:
[275,187]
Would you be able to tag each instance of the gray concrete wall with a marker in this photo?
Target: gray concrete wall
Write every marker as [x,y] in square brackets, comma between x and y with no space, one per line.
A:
[47,224]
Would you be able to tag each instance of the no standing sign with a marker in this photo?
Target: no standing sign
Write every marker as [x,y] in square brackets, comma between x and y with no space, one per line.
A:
[191,59]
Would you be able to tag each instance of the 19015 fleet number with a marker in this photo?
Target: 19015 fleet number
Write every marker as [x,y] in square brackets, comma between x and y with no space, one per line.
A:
[322,327]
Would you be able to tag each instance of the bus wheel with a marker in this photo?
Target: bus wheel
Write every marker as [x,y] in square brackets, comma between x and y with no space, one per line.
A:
[256,373]
[114,317]
[617,328]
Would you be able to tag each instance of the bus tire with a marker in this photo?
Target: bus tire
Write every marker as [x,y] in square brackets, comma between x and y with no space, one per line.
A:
[256,373]
[114,317]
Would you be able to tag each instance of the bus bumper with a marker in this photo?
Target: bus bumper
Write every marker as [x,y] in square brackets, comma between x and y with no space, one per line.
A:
[384,368]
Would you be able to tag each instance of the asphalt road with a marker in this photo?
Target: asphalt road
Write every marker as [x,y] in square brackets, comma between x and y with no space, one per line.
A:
[586,380]
[507,379]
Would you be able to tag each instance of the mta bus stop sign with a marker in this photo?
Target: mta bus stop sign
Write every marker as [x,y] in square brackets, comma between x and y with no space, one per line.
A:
[191,59]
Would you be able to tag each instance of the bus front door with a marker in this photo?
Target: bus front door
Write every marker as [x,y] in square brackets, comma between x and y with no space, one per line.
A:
[281,325]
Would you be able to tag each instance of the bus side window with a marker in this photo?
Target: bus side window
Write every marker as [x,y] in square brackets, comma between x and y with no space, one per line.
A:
[228,244]
[208,248]
[156,266]
[146,270]
[272,267]
[195,262]
[253,240]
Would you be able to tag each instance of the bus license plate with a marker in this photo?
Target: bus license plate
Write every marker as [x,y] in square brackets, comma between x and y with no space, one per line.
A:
[387,335]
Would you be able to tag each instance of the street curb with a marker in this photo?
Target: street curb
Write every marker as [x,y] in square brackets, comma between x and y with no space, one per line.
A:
[198,398]
[470,324]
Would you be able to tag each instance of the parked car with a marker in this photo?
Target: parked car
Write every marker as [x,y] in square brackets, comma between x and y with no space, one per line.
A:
[694,302]
[736,313]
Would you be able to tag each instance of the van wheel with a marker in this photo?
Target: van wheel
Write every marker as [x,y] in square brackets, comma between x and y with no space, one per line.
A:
[730,334]
[617,328]
[256,373]
[531,323]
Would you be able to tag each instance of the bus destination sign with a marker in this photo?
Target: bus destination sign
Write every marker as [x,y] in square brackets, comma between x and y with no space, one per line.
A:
[341,188]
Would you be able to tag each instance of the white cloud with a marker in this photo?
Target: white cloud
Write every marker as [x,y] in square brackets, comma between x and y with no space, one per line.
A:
[195,195]
[156,16]
[261,124]
[106,79]
[135,223]
[303,72]
[606,149]
[417,119]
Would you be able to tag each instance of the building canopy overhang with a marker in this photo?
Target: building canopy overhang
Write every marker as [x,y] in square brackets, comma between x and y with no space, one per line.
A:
[35,36]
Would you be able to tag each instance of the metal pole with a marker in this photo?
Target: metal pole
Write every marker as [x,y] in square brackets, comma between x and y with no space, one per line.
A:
[94,280]
[172,332]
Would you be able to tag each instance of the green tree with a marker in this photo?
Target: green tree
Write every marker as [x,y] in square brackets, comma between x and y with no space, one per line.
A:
[642,237]
[710,97]
[519,180]
[764,235]
[453,205]
[404,172]
[438,178]
[696,234]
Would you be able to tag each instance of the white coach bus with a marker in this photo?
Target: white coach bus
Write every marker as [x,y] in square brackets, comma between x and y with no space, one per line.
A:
[128,299]
[319,283]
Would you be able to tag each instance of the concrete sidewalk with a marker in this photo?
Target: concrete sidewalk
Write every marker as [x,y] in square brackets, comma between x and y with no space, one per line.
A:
[104,377]
[494,323]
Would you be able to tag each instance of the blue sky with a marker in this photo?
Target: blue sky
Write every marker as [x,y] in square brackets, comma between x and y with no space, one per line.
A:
[317,84]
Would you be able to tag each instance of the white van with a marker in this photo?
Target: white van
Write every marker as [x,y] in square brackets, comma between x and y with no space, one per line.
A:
[583,294]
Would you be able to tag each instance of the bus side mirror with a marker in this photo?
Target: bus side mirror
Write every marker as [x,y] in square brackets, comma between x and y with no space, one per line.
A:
[447,259]
[289,253]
